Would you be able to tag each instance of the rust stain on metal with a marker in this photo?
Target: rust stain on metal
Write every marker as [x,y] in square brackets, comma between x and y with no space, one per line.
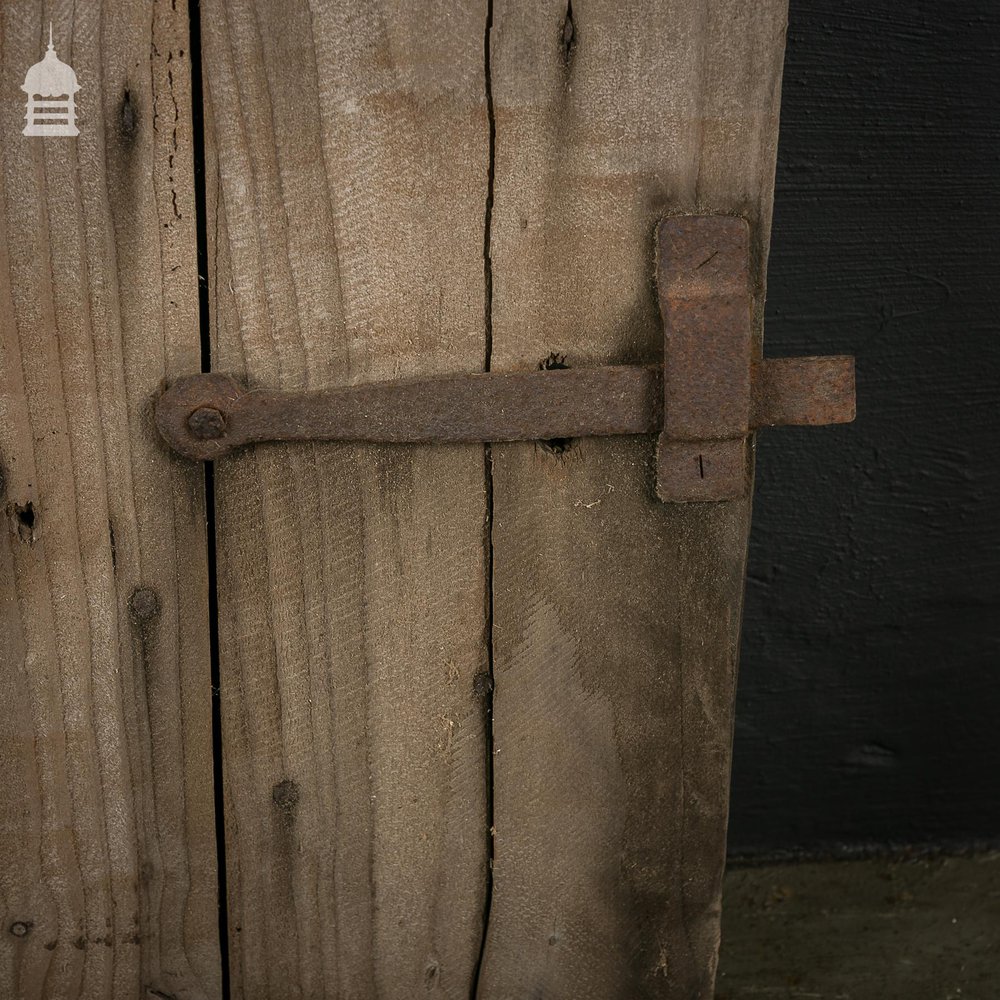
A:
[507,406]
[715,393]
[703,282]
[207,423]
[705,400]
[810,391]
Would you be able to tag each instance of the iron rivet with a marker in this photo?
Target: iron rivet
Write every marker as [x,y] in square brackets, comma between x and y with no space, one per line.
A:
[207,423]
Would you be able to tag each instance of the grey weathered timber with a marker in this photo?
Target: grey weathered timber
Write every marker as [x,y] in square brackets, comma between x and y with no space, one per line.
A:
[107,835]
[346,185]
[616,618]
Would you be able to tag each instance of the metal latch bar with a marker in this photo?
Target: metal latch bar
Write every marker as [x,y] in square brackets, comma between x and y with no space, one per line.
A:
[494,406]
[705,400]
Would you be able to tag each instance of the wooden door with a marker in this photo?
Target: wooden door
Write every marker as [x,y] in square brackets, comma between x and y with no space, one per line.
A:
[475,701]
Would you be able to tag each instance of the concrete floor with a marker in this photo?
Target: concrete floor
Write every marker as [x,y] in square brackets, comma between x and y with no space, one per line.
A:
[923,929]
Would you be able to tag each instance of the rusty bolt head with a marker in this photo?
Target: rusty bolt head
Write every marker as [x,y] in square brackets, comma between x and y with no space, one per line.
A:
[207,423]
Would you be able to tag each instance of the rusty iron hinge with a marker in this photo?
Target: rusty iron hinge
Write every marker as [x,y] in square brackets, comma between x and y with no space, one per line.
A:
[705,400]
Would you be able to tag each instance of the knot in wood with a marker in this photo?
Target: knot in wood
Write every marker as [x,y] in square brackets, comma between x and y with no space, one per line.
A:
[144,604]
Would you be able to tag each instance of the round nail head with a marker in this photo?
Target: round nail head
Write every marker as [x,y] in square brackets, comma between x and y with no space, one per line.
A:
[207,423]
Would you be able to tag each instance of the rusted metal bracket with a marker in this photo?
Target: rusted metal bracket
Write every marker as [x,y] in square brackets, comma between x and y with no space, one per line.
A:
[705,400]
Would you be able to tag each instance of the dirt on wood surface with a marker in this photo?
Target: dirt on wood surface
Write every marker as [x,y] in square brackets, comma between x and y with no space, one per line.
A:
[925,929]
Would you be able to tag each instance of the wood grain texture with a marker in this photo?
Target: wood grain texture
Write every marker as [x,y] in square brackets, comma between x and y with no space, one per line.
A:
[347,191]
[616,618]
[107,872]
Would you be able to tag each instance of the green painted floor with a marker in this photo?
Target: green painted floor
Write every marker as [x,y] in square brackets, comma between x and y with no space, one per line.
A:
[926,929]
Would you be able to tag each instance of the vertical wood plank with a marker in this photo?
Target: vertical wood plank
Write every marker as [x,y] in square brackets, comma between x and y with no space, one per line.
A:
[347,191]
[616,617]
[107,873]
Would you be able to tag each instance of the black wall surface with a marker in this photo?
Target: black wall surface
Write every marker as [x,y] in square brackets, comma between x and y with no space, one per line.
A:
[869,693]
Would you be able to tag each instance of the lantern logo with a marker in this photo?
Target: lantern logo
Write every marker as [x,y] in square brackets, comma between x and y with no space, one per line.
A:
[51,88]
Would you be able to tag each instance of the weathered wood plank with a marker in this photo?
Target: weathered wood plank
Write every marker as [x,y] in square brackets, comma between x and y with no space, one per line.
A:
[616,618]
[347,193]
[107,872]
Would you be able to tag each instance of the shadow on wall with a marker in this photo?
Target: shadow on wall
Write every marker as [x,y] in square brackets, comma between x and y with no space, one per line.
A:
[869,686]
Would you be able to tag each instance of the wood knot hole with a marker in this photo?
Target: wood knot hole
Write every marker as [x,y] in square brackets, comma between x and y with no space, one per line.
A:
[568,40]
[285,795]
[144,605]
[128,118]
[482,684]
[25,518]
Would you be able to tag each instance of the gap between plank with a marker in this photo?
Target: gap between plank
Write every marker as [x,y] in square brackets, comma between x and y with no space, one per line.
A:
[198,128]
[488,687]
[204,320]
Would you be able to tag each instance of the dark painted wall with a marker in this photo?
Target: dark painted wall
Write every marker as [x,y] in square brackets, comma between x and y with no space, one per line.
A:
[869,691]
